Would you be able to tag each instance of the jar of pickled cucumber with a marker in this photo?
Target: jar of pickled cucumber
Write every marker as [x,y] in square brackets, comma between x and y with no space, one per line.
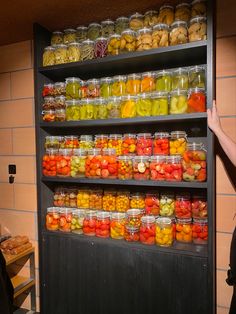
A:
[122,201]
[81,33]
[128,41]
[86,141]
[161,143]
[184,230]
[64,162]
[173,169]
[59,89]
[178,101]
[65,217]
[180,79]
[166,14]
[69,36]
[115,141]
[113,107]
[49,56]
[160,35]
[48,90]
[78,163]
[144,105]
[136,21]
[125,168]
[100,108]
[164,231]
[72,88]
[86,109]
[167,204]
[60,54]
[48,103]
[109,200]
[157,167]
[160,103]
[100,47]
[52,142]
[52,218]
[197,76]
[163,81]
[71,141]
[94,31]
[93,88]
[119,85]
[198,8]
[83,198]
[150,18]
[89,224]
[93,163]
[137,200]
[147,83]
[178,142]
[77,220]
[128,107]
[108,28]
[133,217]
[95,199]
[144,144]
[56,38]
[60,102]
[182,12]
[106,87]
[178,33]
[133,84]
[72,110]
[121,24]
[141,168]
[87,50]
[73,52]
[118,225]
[129,144]
[49,115]
[114,42]
[196,100]
[200,231]
[109,164]
[101,141]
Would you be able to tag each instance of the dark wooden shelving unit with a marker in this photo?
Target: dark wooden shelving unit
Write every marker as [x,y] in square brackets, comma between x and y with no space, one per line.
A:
[79,274]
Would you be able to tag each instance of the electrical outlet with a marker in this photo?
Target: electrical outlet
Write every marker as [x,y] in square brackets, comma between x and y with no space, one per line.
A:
[12,169]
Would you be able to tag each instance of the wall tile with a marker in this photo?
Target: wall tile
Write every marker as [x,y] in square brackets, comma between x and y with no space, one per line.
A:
[224,292]
[25,197]
[221,310]
[225,18]
[24,141]
[225,56]
[15,56]
[226,96]
[6,196]
[5,86]
[225,210]
[22,84]
[17,113]
[229,126]
[223,248]
[223,184]
[5,142]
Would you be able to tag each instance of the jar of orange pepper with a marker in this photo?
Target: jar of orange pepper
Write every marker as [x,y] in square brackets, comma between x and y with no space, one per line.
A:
[49,162]
[103,225]
[101,141]
[49,115]
[183,206]
[196,100]
[71,141]
[65,219]
[109,200]
[184,229]
[52,218]
[147,82]
[115,141]
[64,162]
[147,230]
[95,199]
[118,225]
[89,223]
[129,144]
[161,143]
[93,164]
[137,200]
[152,206]
[122,201]
[200,231]
[109,164]
[125,168]
[164,231]
[133,84]
[83,198]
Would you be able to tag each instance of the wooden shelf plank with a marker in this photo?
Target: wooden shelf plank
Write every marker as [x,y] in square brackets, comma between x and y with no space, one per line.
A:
[13,258]
[21,284]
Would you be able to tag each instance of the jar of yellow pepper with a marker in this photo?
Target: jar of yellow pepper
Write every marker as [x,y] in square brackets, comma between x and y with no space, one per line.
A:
[178,142]
[118,225]
[83,198]
[144,105]
[133,84]
[128,106]
[118,85]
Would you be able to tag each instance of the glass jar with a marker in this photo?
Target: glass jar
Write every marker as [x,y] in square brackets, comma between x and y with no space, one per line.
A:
[83,198]
[77,221]
[197,28]
[200,231]
[60,54]
[64,162]
[178,33]
[109,164]
[70,197]
[72,110]
[95,199]
[114,42]
[87,50]
[166,14]
[49,162]
[52,142]
[93,164]
[157,168]
[48,103]
[144,144]
[180,79]
[184,230]
[128,41]
[196,100]
[119,85]
[133,84]
[147,83]
[160,35]
[86,141]
[83,89]
[194,163]
[59,88]
[137,200]
[150,18]
[163,81]
[159,103]
[69,36]
[173,220]
[115,141]
[78,163]
[199,206]
[167,204]
[136,21]
[48,90]
[144,105]
[101,141]
[141,168]
[65,217]
[144,39]
[103,225]
[108,28]
[81,33]
[89,224]
[71,141]
[52,218]
[121,24]
[106,87]
[128,106]
[118,225]
[197,76]
[93,88]
[125,168]
[49,115]
[182,206]
[48,56]
[129,144]
[133,217]
[94,31]
[178,101]
[178,142]
[198,8]
[183,12]
[109,200]
[161,143]
[86,109]
[131,234]
[152,204]
[72,88]
[164,231]
[100,108]
[60,102]
[113,107]
[59,197]
[56,38]
[73,52]
[147,230]
[100,47]
[60,115]
[173,168]
[122,201]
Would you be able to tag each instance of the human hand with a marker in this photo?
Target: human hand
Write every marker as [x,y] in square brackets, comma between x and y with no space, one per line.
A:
[213,119]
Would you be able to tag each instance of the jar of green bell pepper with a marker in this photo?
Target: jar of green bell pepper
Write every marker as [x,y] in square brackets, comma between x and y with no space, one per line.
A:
[72,88]
[72,110]
[163,81]
[180,79]
[105,86]
[144,105]
[86,109]
[100,108]
[178,101]
[160,102]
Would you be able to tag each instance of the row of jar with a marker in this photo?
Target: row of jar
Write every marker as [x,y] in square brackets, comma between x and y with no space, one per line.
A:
[129,41]
[132,84]
[132,226]
[167,14]
[152,203]
[106,165]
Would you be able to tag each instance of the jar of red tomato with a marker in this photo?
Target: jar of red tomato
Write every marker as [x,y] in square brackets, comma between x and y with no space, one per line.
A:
[184,229]
[147,230]
[152,206]
[64,162]
[71,141]
[93,163]
[49,162]
[200,231]
[157,168]
[144,144]
[65,219]
[131,234]
[161,143]
[183,206]
[141,168]
[89,224]
[52,218]
[129,144]
[173,168]
[103,225]
[196,100]
[109,164]
[48,90]
[199,206]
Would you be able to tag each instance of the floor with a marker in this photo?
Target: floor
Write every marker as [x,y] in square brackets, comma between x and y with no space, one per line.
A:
[22,311]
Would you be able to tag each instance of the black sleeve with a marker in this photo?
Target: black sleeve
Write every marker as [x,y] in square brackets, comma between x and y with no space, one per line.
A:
[233,256]
[6,289]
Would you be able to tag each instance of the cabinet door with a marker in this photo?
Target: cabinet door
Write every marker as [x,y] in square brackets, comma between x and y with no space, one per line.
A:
[84,277]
